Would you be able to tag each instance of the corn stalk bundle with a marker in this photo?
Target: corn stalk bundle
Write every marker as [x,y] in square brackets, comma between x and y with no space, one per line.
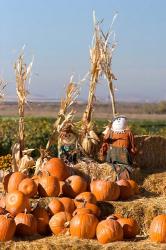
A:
[22,72]
[64,115]
[89,137]
[106,61]
[95,72]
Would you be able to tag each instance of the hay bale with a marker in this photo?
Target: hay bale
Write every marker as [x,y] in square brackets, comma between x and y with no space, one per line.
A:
[151,152]
[155,183]
[143,210]
[94,170]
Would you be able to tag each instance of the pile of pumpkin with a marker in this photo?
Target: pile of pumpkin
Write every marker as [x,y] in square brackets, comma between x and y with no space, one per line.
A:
[72,209]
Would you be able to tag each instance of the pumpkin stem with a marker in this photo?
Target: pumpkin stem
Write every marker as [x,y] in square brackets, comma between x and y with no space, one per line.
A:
[74,213]
[8,215]
[47,173]
[25,211]
[111,217]
[84,203]
[67,224]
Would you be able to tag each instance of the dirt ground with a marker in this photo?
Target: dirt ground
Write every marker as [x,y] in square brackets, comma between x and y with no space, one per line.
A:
[101,111]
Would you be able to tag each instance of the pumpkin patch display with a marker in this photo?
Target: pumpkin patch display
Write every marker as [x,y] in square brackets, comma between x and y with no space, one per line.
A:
[157,230]
[7,227]
[59,222]
[74,185]
[26,224]
[105,190]
[109,230]
[83,225]
[28,187]
[130,227]
[17,202]
[57,168]
[48,186]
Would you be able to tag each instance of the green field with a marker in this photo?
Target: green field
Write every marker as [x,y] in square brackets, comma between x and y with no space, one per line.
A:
[37,130]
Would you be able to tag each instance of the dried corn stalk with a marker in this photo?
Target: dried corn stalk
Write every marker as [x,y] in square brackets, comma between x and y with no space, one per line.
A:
[106,61]
[72,92]
[22,72]
[2,87]
[89,136]
[95,72]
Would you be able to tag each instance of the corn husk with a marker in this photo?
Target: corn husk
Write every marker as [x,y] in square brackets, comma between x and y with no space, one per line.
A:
[26,162]
[94,138]
[15,157]
[87,144]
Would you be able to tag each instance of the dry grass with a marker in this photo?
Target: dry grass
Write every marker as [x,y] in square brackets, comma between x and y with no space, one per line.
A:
[66,242]
[151,152]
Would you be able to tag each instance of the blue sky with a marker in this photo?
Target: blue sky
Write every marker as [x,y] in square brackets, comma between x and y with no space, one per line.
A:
[59,33]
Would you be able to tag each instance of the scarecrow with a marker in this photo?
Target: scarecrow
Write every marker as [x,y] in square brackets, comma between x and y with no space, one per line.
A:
[119,147]
[68,140]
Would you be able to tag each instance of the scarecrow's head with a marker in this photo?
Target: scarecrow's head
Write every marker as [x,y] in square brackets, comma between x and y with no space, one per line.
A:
[119,123]
[67,135]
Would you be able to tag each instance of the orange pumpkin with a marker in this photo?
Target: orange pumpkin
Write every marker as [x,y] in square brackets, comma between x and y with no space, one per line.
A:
[134,186]
[82,210]
[28,187]
[5,181]
[109,230]
[16,202]
[68,204]
[94,208]
[56,167]
[7,227]
[84,197]
[84,226]
[59,222]
[26,224]
[42,219]
[157,230]
[74,185]
[130,227]
[55,206]
[15,180]
[105,190]
[48,186]
[125,189]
